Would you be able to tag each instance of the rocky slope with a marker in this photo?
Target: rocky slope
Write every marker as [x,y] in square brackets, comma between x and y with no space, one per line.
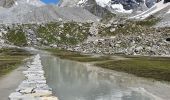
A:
[90,5]
[11,3]
[48,13]
[34,11]
[127,37]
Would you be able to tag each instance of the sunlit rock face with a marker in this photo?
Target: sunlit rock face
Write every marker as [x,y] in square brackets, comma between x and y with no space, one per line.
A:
[68,3]
[91,5]
[10,3]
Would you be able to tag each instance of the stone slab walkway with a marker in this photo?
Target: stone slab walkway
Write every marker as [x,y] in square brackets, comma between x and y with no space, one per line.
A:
[34,87]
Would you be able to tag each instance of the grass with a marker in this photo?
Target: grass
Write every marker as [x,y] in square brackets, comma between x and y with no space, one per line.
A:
[17,37]
[130,27]
[7,65]
[70,33]
[156,68]
[10,59]
[76,56]
[149,67]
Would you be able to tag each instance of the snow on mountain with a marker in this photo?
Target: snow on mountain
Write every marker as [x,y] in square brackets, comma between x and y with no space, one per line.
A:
[36,3]
[116,7]
[82,2]
[156,8]
[119,8]
[103,3]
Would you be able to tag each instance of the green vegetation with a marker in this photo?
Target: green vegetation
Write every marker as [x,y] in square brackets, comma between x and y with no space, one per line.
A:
[11,58]
[150,67]
[70,33]
[148,22]
[17,37]
[130,27]
[156,68]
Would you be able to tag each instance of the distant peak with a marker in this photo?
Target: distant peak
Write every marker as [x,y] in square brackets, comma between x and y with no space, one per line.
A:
[31,2]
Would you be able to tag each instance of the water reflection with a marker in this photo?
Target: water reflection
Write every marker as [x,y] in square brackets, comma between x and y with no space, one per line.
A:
[74,81]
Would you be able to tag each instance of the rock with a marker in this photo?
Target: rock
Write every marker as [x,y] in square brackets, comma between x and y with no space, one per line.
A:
[40,93]
[67,35]
[112,29]
[49,98]
[61,26]
[15,96]
[26,90]
[34,87]
[138,49]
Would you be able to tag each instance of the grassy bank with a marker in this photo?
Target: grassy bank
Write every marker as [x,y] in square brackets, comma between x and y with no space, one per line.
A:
[76,56]
[156,68]
[11,58]
[150,67]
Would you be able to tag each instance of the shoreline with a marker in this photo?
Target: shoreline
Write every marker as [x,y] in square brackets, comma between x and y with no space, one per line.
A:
[9,82]
[157,68]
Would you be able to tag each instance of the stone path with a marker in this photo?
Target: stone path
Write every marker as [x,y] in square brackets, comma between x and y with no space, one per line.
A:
[34,87]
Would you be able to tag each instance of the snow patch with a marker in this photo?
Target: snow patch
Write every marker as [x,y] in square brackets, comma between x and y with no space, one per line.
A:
[16,3]
[119,8]
[103,3]
[82,2]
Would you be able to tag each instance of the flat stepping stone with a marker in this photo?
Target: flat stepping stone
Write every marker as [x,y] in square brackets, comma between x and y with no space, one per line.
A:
[34,87]
[49,98]
[26,90]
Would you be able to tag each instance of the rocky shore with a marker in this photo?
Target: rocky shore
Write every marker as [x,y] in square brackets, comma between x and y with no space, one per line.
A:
[34,87]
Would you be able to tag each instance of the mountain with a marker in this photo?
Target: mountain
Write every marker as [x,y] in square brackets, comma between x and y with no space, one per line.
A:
[122,6]
[37,3]
[35,11]
[160,10]
[10,3]
[90,5]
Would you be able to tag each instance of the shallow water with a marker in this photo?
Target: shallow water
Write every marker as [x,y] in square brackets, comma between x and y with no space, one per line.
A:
[76,81]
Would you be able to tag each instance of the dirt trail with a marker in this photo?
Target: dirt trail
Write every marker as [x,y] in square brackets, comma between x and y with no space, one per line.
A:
[10,82]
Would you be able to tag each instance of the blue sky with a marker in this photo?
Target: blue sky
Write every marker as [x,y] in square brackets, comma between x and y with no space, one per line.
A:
[50,1]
